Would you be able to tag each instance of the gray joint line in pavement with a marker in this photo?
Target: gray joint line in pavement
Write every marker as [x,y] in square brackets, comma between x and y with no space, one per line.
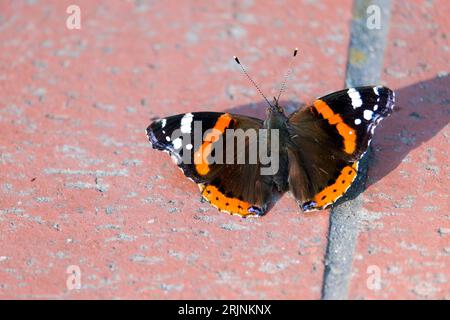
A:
[364,65]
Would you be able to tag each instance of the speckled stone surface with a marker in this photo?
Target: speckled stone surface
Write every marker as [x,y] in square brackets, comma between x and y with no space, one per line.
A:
[81,186]
[407,209]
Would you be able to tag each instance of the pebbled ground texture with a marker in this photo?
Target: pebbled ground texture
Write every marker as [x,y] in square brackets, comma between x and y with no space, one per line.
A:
[81,186]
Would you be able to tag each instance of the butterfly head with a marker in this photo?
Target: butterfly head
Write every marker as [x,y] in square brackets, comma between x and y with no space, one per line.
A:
[275,108]
[275,117]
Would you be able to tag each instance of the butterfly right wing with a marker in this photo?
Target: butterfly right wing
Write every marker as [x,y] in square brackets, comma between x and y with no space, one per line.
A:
[328,139]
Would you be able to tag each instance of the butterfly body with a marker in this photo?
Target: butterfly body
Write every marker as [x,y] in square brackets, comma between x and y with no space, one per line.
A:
[317,149]
[277,120]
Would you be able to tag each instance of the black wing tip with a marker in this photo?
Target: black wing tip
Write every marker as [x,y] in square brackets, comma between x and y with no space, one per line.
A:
[149,131]
[156,144]
[383,91]
[390,97]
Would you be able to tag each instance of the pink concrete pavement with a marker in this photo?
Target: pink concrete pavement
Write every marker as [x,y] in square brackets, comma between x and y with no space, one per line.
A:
[80,184]
[74,113]
[406,232]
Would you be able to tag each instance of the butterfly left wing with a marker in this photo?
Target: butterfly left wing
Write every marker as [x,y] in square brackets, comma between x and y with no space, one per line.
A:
[328,139]
[192,138]
[175,135]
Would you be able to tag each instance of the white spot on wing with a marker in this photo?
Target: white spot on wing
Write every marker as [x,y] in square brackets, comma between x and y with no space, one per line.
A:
[177,143]
[375,107]
[355,97]
[368,114]
[375,89]
[186,122]
[163,123]
[189,146]
[167,138]
[357,121]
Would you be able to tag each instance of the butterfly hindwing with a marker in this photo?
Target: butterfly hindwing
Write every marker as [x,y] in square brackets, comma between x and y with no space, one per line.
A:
[193,138]
[328,139]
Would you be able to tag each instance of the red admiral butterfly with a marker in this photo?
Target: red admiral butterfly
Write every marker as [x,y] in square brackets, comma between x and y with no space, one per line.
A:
[319,147]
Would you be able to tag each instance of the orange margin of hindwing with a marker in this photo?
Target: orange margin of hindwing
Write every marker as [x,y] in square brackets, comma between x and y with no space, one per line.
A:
[331,193]
[227,204]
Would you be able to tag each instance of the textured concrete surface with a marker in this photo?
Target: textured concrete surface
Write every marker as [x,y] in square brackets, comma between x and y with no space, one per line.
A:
[80,182]
[81,186]
[364,65]
[406,219]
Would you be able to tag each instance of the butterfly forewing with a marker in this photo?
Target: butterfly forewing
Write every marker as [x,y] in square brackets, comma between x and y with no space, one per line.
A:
[361,110]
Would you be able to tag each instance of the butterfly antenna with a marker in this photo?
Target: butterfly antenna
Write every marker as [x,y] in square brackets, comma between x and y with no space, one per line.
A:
[251,80]
[288,73]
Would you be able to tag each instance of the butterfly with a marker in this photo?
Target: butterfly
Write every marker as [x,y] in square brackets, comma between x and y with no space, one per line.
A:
[318,149]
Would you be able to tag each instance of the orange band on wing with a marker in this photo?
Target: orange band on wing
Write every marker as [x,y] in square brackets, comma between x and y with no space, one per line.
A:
[200,156]
[347,133]
[224,203]
[337,189]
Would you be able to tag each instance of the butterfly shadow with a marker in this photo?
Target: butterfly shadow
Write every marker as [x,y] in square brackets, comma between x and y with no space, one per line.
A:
[422,110]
